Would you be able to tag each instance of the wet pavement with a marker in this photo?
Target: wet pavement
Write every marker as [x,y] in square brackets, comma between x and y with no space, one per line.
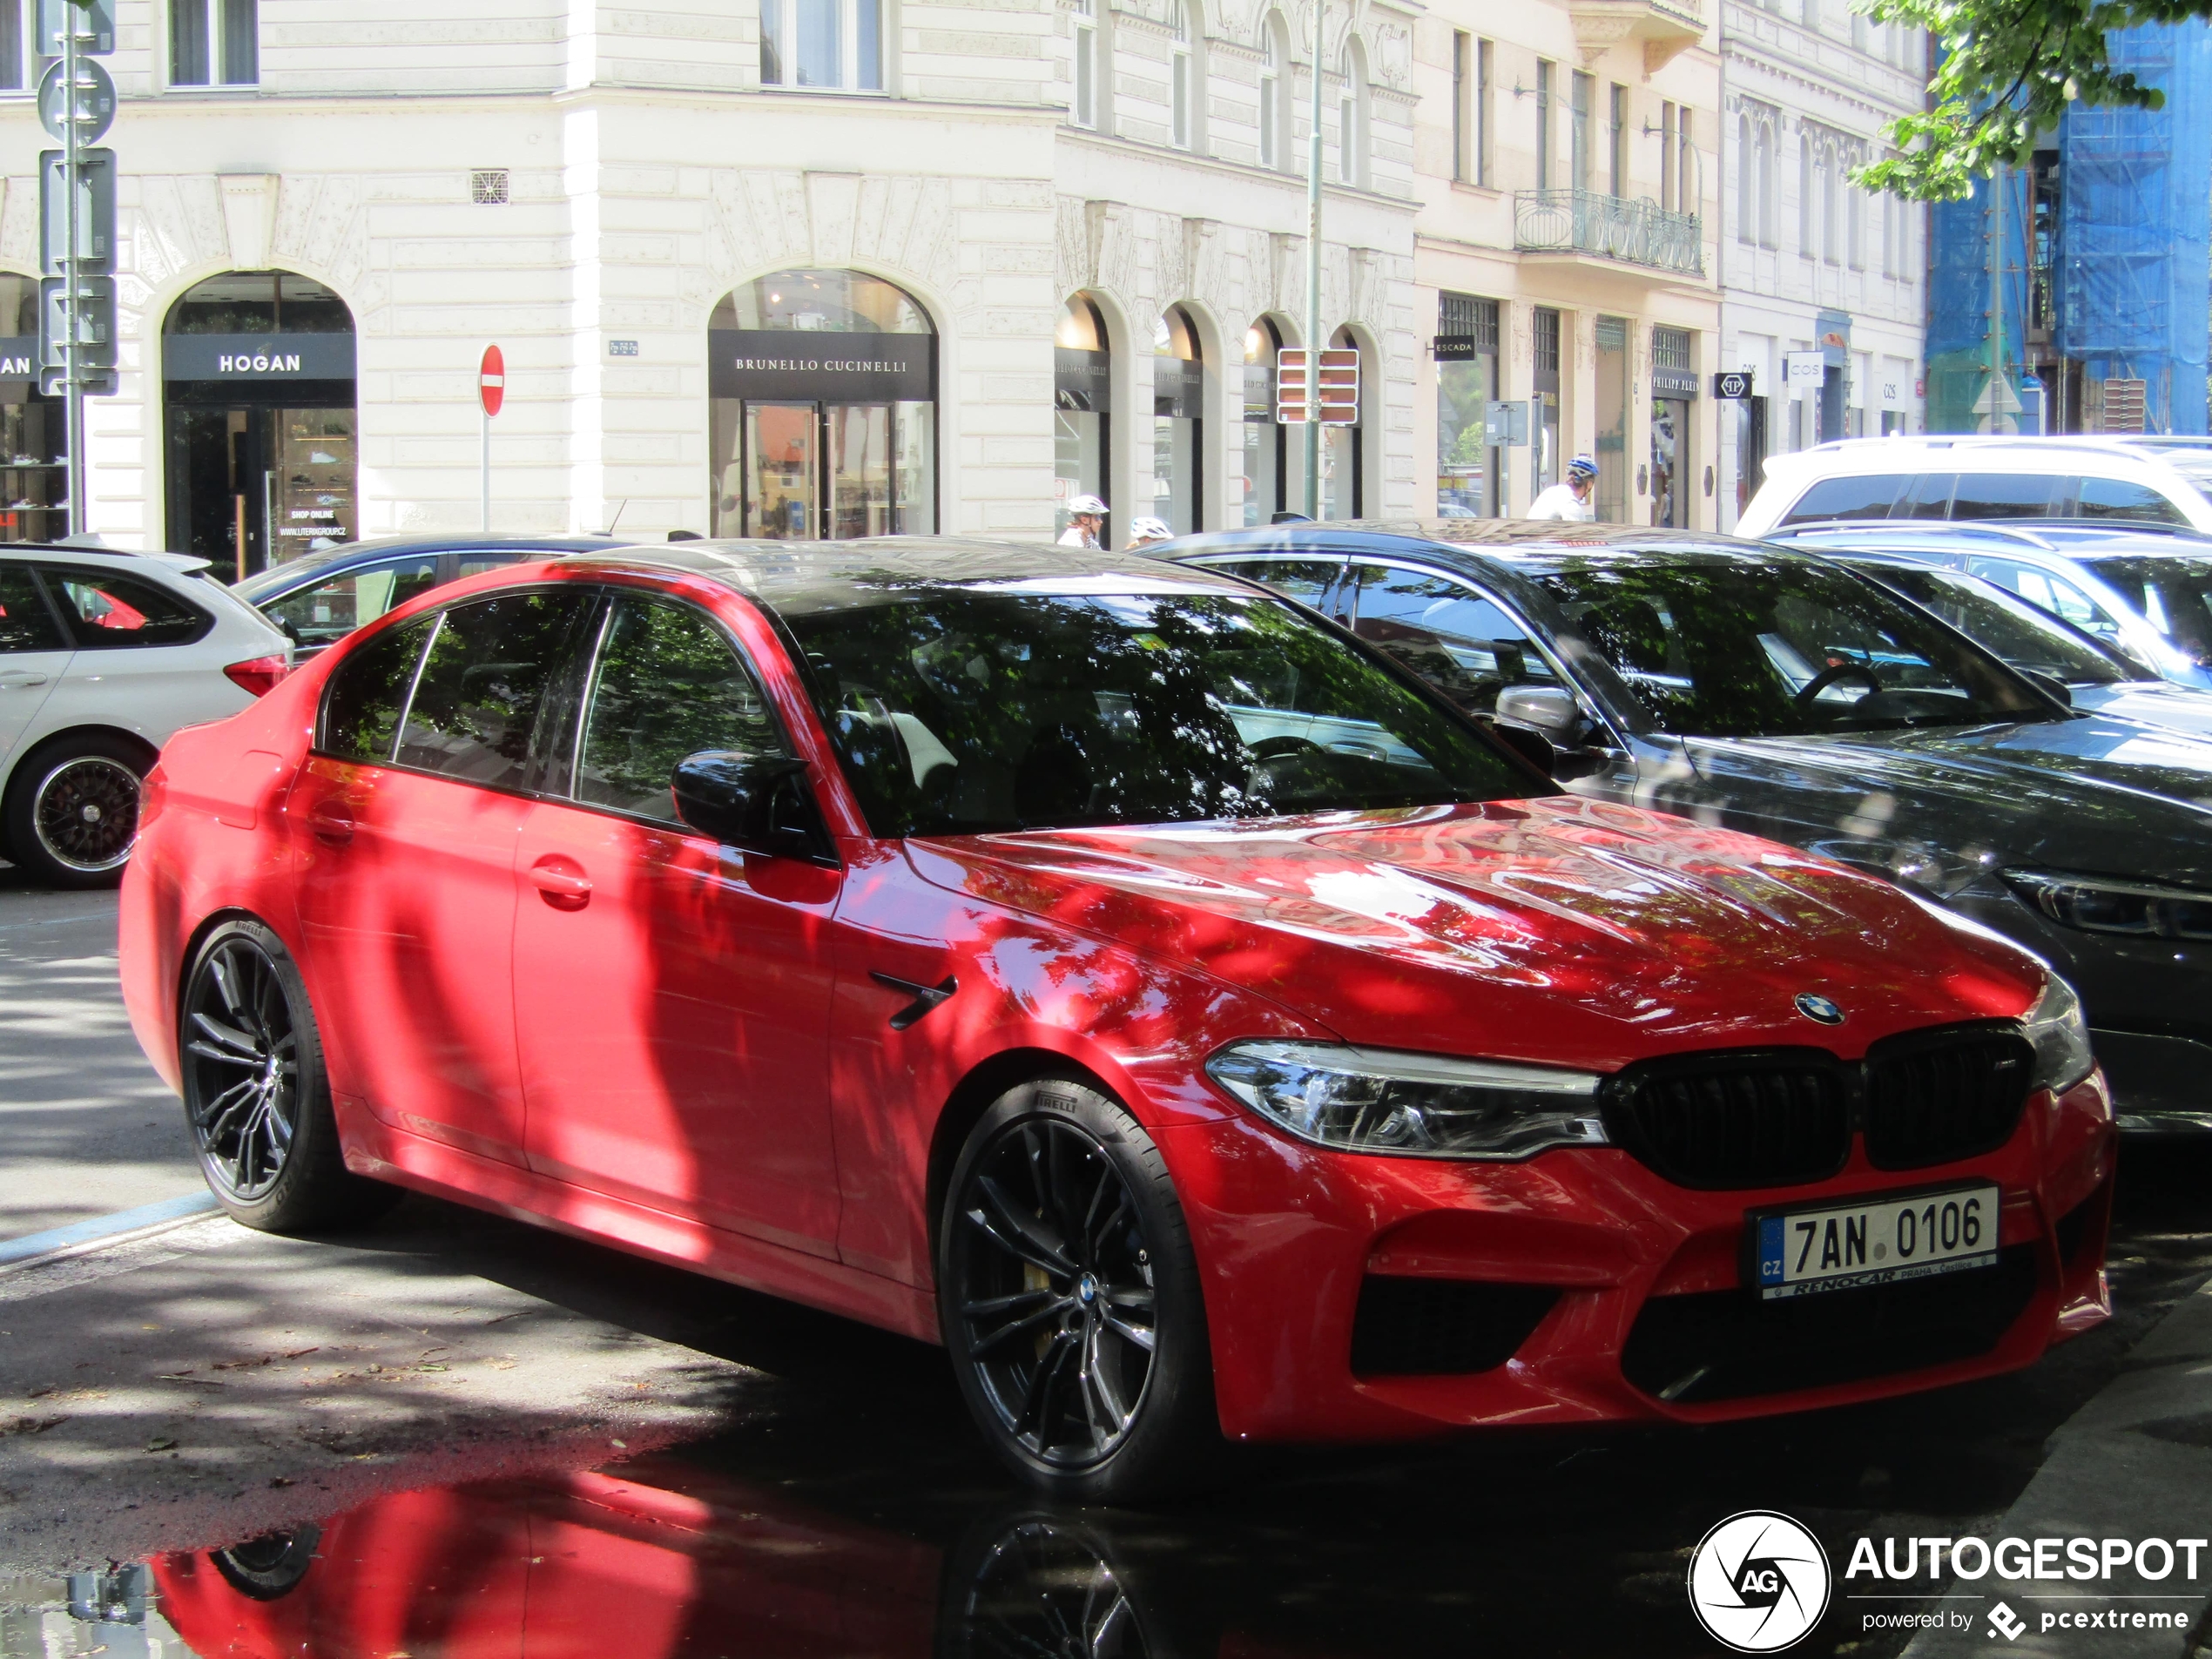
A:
[845,1507]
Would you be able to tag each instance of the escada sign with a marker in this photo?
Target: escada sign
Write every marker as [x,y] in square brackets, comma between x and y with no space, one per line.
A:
[257,357]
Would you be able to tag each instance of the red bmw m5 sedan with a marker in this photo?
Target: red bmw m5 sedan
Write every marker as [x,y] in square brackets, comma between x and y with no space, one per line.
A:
[1117,973]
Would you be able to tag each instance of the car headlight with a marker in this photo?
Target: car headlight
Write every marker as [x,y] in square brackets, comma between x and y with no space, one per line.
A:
[2061,1037]
[2101,905]
[1414,1105]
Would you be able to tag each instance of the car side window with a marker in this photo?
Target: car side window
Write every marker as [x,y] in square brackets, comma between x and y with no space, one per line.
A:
[477,564]
[107,610]
[1307,581]
[2056,595]
[484,677]
[1857,496]
[2117,498]
[1451,635]
[367,695]
[25,622]
[330,610]
[668,683]
[1929,496]
[2006,495]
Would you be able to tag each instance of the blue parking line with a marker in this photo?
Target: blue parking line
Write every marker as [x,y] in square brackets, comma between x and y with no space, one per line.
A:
[124,1221]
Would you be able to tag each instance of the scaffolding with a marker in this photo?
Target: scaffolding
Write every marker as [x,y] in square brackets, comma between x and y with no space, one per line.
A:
[2109,310]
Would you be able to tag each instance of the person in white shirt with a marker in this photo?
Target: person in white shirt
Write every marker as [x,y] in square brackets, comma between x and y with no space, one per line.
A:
[1086,513]
[1143,532]
[1569,500]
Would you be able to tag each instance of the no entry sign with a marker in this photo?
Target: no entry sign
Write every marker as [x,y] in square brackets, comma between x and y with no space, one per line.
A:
[491,380]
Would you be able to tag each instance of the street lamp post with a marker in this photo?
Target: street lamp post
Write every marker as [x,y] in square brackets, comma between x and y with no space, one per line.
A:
[1313,280]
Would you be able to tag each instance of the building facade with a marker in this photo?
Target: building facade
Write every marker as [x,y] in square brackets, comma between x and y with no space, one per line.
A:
[770,267]
[1807,263]
[1568,164]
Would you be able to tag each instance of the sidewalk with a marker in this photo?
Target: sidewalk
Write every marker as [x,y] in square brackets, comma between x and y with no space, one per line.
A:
[2135,1462]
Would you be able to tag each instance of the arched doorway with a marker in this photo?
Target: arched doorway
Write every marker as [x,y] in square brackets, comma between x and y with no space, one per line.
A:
[258,380]
[1274,453]
[1344,471]
[824,422]
[1178,426]
[1083,411]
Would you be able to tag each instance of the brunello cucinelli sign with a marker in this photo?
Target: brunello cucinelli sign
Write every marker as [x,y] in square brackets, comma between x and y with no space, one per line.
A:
[257,357]
[817,365]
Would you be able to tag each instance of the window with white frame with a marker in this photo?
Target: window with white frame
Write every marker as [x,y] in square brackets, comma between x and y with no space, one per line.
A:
[214,43]
[1855,226]
[1831,219]
[1766,143]
[1182,91]
[1352,118]
[822,46]
[1808,242]
[1083,107]
[1274,102]
[1747,183]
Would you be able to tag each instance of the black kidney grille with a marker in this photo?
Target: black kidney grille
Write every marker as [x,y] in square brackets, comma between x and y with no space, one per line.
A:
[1938,1096]
[1747,1121]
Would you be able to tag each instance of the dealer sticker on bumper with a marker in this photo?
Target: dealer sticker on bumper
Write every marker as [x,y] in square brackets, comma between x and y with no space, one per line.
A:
[1878,1241]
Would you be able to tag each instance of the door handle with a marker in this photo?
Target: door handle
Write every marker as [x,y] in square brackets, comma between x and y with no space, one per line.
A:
[332,827]
[560,883]
[14,676]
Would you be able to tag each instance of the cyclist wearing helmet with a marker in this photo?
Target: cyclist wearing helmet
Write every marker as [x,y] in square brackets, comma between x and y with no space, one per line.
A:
[1086,516]
[1569,500]
[1143,531]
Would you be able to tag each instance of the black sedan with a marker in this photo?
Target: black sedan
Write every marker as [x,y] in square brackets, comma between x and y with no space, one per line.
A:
[1782,694]
[321,597]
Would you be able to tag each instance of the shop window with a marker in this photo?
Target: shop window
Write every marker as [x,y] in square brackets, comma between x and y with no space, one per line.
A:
[1469,472]
[34,469]
[1083,411]
[1178,426]
[827,444]
[1274,480]
[214,43]
[822,46]
[1344,471]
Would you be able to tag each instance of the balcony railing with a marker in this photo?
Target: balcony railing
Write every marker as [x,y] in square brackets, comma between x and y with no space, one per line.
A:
[1612,228]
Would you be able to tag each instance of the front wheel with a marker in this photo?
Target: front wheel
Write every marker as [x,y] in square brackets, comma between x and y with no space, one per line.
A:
[72,810]
[1070,1299]
[256,1097]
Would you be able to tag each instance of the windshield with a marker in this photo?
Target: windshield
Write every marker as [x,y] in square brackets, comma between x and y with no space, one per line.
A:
[277,577]
[957,711]
[2175,593]
[1736,649]
[2022,634]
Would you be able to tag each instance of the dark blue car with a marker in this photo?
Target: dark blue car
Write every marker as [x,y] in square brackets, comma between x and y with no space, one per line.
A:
[323,596]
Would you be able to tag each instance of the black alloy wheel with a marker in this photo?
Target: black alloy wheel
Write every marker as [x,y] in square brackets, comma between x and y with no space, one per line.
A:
[1041,1587]
[1069,1298]
[256,1098]
[271,1566]
[72,810]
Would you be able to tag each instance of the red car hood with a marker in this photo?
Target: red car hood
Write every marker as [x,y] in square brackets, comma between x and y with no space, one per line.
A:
[1559,930]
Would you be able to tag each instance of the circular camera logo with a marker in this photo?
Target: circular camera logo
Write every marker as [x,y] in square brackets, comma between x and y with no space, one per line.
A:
[1758,1582]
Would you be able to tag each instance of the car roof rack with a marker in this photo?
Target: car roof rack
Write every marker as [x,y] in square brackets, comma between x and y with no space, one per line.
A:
[2013,531]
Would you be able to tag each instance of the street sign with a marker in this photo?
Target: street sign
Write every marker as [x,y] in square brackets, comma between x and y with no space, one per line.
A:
[1733,383]
[1339,377]
[1804,369]
[94,104]
[491,380]
[94,23]
[95,210]
[95,321]
[1505,423]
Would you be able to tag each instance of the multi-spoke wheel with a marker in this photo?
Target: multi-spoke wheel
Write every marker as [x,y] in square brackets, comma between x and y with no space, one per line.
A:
[1040,1586]
[72,809]
[1069,1299]
[255,1096]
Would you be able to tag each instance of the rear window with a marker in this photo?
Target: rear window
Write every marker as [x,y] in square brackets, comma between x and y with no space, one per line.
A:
[105,611]
[1930,497]
[2008,495]
[1865,495]
[2118,498]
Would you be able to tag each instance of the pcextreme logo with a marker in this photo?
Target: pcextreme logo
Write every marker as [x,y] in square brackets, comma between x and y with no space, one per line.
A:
[1758,1582]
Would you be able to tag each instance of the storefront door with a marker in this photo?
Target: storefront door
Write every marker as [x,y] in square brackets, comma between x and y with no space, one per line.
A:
[251,485]
[1670,462]
[779,466]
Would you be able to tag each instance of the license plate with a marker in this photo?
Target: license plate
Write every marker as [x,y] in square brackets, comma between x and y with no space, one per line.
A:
[1873,1241]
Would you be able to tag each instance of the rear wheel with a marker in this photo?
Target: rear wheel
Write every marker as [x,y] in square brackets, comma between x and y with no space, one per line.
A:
[256,1097]
[72,810]
[1069,1300]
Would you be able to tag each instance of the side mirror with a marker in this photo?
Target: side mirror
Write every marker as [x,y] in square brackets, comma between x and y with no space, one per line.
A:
[2050,684]
[755,803]
[1546,709]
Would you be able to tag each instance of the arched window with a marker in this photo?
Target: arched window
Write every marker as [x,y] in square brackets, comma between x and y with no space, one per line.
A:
[1082,403]
[1352,118]
[1807,244]
[1832,215]
[822,444]
[1855,226]
[1087,106]
[1274,453]
[1770,194]
[1179,443]
[1747,180]
[1274,102]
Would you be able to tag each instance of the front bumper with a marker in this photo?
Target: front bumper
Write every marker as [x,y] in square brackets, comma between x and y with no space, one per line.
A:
[1581,1287]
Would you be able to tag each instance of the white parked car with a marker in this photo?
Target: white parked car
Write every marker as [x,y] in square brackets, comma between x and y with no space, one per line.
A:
[103,655]
[2147,480]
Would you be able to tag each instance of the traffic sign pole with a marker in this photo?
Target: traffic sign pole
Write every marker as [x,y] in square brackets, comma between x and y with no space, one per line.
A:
[73,392]
[1313,280]
[491,392]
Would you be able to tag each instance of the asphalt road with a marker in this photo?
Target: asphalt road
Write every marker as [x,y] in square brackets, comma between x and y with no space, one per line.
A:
[205,1385]
[86,1128]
